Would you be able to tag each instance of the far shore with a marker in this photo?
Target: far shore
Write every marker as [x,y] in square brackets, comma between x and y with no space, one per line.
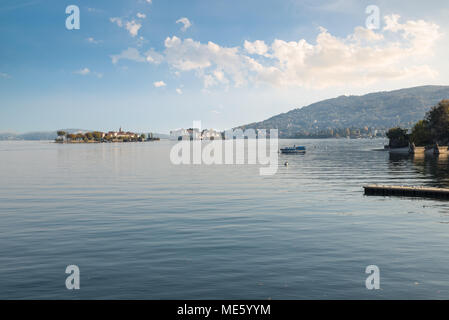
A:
[103,137]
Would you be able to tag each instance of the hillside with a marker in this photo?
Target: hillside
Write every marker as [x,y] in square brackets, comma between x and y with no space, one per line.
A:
[380,110]
[37,135]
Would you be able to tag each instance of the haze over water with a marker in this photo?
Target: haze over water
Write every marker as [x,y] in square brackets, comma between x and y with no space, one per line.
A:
[139,227]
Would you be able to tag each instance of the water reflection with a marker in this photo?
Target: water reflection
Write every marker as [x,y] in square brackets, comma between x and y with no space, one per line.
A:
[434,168]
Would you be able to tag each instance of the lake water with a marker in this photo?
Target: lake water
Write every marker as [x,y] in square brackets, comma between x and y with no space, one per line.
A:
[139,227]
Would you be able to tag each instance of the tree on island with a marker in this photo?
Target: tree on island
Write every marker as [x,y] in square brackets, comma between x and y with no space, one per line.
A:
[398,137]
[421,133]
[438,121]
[61,133]
[97,135]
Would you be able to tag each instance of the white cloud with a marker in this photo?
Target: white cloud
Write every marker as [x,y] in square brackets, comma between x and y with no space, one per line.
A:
[133,54]
[87,71]
[364,34]
[257,47]
[128,54]
[141,15]
[132,26]
[159,84]
[186,55]
[140,41]
[186,23]
[4,75]
[92,40]
[149,1]
[153,57]
[117,21]
[178,90]
[399,51]
[420,34]
[83,72]
[361,58]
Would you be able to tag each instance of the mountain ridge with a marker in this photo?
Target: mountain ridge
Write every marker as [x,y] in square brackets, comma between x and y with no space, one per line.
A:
[378,110]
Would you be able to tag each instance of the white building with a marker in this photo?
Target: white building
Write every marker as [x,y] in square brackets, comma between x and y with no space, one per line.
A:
[192,134]
[210,134]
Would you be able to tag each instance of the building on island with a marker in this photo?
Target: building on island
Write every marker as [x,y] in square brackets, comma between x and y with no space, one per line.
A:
[121,135]
[210,134]
[195,134]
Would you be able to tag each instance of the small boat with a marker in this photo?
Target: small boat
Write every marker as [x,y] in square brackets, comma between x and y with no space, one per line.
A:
[294,150]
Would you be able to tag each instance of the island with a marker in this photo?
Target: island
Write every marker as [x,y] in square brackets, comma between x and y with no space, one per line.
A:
[103,137]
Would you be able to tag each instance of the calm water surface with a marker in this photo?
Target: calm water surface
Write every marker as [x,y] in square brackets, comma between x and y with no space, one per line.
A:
[141,228]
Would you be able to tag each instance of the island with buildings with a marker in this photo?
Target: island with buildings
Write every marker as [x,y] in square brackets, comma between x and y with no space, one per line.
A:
[103,137]
[196,134]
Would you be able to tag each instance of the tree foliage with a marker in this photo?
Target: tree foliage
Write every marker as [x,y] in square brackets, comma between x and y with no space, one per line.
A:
[438,121]
[398,137]
[421,133]
[97,135]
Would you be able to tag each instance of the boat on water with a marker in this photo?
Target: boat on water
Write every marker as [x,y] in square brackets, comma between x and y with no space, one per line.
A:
[294,150]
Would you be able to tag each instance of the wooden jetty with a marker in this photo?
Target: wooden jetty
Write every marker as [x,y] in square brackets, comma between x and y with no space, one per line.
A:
[406,191]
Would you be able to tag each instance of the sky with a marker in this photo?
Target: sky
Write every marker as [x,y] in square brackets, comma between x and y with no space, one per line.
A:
[159,65]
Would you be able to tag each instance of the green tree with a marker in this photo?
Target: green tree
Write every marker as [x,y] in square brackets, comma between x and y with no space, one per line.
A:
[89,135]
[438,119]
[61,133]
[398,137]
[97,135]
[79,136]
[421,133]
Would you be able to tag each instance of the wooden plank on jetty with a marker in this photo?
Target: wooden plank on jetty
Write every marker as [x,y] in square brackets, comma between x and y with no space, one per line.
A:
[406,191]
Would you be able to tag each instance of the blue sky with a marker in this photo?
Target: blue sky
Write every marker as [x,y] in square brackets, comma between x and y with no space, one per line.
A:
[131,65]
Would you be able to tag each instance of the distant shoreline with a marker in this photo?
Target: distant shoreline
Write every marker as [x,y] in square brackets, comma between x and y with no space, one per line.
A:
[166,139]
[103,137]
[92,141]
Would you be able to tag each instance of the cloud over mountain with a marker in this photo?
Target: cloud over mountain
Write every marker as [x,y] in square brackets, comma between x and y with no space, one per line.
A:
[366,56]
